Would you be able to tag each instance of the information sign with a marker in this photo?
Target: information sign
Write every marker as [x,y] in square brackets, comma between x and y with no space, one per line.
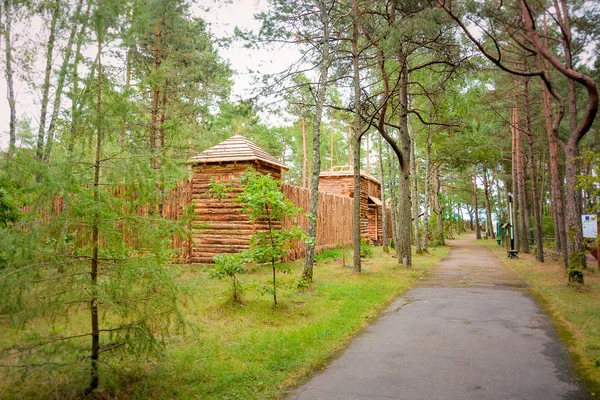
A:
[590,226]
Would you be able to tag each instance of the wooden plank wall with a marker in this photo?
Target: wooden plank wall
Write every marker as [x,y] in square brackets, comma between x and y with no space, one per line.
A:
[334,224]
[173,206]
[344,186]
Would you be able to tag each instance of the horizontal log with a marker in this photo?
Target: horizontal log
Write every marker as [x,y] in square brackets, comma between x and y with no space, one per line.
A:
[222,241]
[219,247]
[218,217]
[216,211]
[246,234]
[223,226]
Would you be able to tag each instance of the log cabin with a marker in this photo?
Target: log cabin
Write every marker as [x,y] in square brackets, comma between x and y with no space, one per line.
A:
[218,227]
[340,180]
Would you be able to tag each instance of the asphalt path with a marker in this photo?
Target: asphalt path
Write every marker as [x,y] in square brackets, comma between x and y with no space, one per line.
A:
[469,330]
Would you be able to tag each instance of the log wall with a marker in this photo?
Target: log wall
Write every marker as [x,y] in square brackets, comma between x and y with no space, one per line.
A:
[218,227]
[334,223]
[370,214]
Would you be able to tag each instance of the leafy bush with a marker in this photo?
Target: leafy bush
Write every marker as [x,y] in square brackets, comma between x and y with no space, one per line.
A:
[366,250]
[229,266]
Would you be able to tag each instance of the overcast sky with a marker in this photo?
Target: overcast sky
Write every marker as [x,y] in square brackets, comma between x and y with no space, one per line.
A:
[222,17]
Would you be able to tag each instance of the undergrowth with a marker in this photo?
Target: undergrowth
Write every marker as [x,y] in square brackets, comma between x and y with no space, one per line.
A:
[246,350]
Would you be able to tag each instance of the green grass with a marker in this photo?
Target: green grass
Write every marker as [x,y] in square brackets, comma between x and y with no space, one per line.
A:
[576,311]
[248,350]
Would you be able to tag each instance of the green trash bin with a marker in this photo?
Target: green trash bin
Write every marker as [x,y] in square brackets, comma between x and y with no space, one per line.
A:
[499,233]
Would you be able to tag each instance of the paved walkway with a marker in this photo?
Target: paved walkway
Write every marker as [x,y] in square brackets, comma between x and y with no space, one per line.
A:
[468,331]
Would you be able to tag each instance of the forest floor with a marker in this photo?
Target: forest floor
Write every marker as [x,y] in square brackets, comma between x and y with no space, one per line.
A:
[470,329]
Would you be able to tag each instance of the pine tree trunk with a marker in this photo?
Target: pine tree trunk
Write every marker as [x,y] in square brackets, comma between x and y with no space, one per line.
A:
[304,154]
[438,208]
[12,136]
[128,67]
[476,206]
[309,259]
[426,193]
[488,208]
[384,220]
[155,92]
[403,247]
[393,202]
[534,192]
[75,104]
[356,138]
[96,229]
[163,115]
[415,198]
[573,215]
[55,11]
[522,199]
[61,82]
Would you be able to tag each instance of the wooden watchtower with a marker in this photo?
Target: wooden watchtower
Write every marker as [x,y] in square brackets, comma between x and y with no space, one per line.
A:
[218,227]
[340,180]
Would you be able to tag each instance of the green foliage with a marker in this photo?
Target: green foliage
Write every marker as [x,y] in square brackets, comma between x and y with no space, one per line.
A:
[229,266]
[46,256]
[262,200]
[219,190]
[366,250]
[590,182]
[327,255]
[249,352]
[9,212]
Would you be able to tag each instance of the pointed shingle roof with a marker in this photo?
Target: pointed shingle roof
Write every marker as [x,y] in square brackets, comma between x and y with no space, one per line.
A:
[236,148]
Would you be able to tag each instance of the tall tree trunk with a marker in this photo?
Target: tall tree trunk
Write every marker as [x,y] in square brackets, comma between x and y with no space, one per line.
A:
[515,186]
[163,115]
[556,185]
[155,91]
[476,206]
[572,163]
[393,201]
[356,138]
[96,228]
[488,209]
[438,207]
[415,197]
[499,198]
[331,147]
[522,194]
[309,260]
[534,192]
[403,248]
[576,255]
[12,136]
[55,11]
[384,221]
[304,153]
[75,96]
[128,67]
[368,154]
[427,191]
[461,219]
[61,81]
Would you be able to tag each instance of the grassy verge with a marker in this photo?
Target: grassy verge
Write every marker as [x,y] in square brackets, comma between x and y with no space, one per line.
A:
[576,311]
[249,351]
